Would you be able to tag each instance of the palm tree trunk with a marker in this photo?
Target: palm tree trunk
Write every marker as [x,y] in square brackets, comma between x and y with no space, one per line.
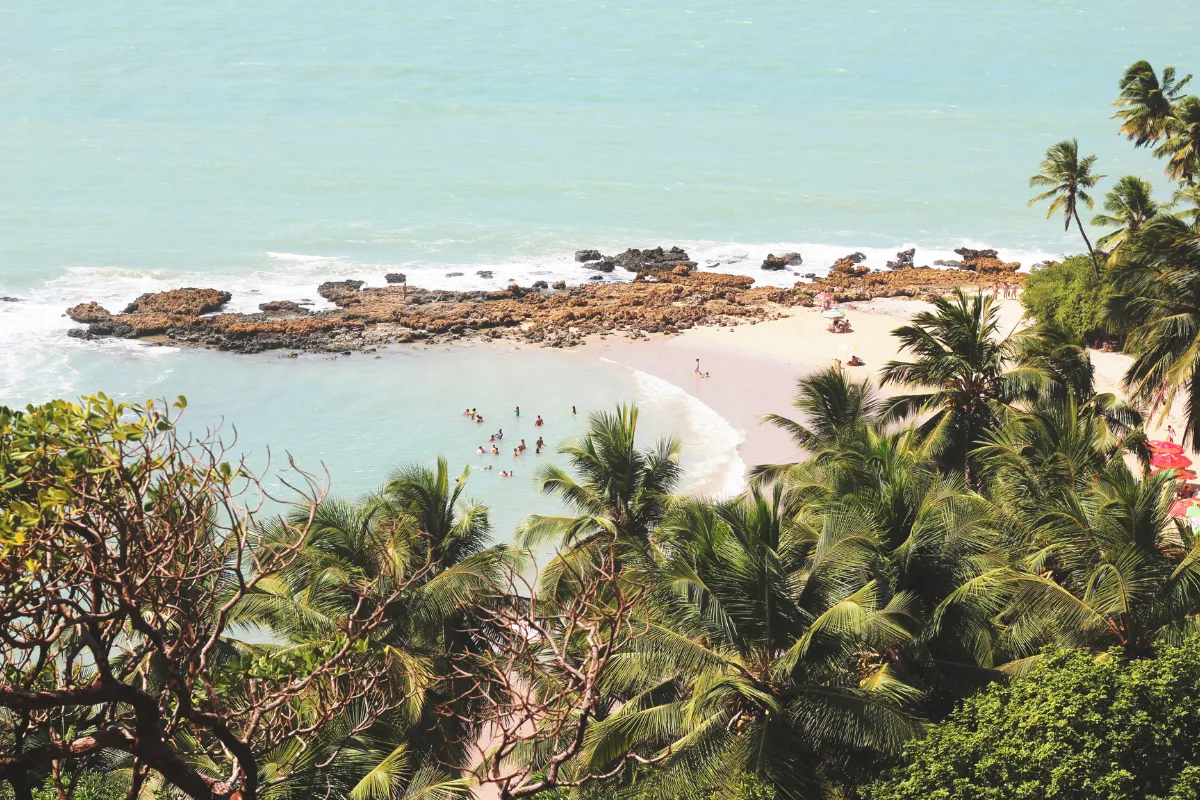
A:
[1086,241]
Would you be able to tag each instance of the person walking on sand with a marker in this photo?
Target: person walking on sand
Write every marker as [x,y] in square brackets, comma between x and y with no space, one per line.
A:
[699,374]
[572,411]
[1170,433]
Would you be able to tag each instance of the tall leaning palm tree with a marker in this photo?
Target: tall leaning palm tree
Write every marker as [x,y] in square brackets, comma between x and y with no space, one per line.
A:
[1147,102]
[1067,177]
[1181,145]
[1129,205]
[1158,301]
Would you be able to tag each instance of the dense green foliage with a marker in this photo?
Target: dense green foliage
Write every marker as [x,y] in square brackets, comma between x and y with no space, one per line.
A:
[1076,728]
[1069,295]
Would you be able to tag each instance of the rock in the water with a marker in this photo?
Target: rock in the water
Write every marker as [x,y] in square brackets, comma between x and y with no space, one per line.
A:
[588,255]
[974,255]
[484,273]
[188,301]
[793,259]
[812,276]
[856,258]
[774,262]
[7,299]
[396,277]
[282,307]
[596,278]
[454,274]
[340,292]
[88,312]
[653,261]
[942,262]
[904,259]
[540,285]
[559,285]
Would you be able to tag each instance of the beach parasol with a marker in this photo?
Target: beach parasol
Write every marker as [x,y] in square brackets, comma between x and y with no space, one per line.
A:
[1170,461]
[1164,447]
[833,313]
[849,348]
[1185,475]
[824,297]
[1180,508]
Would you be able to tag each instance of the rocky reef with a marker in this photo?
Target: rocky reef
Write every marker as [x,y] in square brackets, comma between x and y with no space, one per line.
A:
[666,295]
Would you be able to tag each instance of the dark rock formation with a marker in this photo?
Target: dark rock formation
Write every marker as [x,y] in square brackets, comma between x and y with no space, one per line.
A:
[484,273]
[974,255]
[587,255]
[454,274]
[540,285]
[774,262]
[7,299]
[652,261]
[396,277]
[559,285]
[596,278]
[904,259]
[340,292]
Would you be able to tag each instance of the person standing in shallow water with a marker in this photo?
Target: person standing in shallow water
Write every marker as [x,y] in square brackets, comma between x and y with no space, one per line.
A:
[517,411]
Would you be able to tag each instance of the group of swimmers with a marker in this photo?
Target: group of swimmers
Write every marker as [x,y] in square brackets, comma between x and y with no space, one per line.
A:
[496,437]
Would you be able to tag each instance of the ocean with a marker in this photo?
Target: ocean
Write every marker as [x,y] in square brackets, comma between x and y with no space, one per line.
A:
[265,147]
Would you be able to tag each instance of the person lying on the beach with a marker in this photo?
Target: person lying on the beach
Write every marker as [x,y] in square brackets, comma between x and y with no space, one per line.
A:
[855,361]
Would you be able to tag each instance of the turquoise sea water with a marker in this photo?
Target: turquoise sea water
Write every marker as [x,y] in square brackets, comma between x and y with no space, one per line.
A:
[263,147]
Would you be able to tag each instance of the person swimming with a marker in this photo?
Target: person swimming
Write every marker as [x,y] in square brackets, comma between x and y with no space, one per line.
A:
[516,452]
[492,438]
[478,420]
[541,442]
[521,446]
[479,450]
[495,450]
[504,473]
[500,433]
[467,412]
[489,466]
[517,411]
[540,422]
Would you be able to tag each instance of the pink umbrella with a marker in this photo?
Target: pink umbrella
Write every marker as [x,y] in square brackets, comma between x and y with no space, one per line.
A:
[1170,461]
[1164,447]
[1180,507]
[1184,475]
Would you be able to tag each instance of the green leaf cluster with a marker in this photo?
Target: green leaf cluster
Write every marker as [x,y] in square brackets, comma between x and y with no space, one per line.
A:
[1069,296]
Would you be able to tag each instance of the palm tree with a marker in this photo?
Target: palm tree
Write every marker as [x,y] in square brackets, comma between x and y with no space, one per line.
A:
[959,355]
[1130,205]
[770,654]
[1068,177]
[617,491]
[1147,102]
[1181,145]
[831,403]
[1158,301]
[1107,567]
[1189,198]
[418,521]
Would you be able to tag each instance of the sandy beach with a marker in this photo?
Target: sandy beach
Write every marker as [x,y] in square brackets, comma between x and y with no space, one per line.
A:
[754,367]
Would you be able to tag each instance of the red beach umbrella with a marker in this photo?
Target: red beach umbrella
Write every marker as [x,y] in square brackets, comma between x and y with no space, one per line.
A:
[1164,447]
[1180,508]
[1184,475]
[1170,461]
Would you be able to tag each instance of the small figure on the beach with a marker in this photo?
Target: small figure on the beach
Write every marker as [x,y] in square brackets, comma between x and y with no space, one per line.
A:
[855,361]
[838,361]
[539,423]
[572,410]
[517,412]
[1170,433]
[699,374]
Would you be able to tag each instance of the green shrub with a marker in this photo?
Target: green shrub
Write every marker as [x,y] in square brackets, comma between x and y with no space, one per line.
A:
[1075,728]
[1067,295]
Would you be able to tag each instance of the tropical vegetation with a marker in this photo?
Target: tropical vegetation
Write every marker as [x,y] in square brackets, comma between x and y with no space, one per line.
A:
[973,587]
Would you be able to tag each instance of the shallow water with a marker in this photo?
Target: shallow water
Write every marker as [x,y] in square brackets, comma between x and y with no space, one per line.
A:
[264,147]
